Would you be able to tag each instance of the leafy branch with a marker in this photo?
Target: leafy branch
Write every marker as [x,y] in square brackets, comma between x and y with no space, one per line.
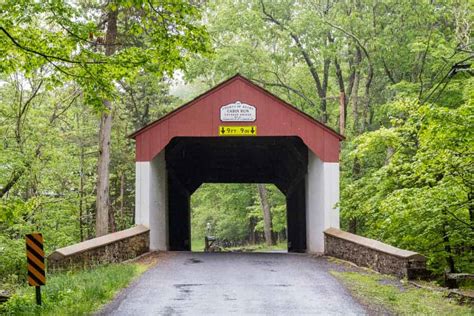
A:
[44,55]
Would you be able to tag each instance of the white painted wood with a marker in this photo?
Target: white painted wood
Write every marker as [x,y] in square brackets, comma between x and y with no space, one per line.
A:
[142,192]
[331,194]
[151,200]
[159,204]
[322,195]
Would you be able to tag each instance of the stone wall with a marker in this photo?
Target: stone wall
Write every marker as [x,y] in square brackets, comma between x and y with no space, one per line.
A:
[374,254]
[115,247]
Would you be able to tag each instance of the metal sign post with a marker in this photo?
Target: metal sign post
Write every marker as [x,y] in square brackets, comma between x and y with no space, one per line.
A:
[38,295]
[36,267]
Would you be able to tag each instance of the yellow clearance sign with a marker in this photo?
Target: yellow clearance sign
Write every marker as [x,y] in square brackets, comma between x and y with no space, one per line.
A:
[237,130]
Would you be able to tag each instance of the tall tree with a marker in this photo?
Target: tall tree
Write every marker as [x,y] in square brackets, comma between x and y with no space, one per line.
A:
[102,219]
[151,36]
[389,61]
[267,214]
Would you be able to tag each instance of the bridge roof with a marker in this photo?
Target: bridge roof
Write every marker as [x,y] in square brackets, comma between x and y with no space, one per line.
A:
[201,118]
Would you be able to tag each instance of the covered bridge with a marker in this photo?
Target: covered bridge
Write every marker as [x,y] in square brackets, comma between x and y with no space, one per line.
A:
[237,132]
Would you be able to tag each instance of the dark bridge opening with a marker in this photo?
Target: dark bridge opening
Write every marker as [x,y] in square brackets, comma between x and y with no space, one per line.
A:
[192,161]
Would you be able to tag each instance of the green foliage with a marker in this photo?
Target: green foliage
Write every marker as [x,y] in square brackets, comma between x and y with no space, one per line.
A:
[78,293]
[381,291]
[40,165]
[59,61]
[11,261]
[234,212]
[277,203]
[414,187]
[70,41]
[224,208]
[407,161]
[50,143]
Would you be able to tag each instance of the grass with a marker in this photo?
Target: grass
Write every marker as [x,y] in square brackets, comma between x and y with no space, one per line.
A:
[381,291]
[197,244]
[74,293]
[259,247]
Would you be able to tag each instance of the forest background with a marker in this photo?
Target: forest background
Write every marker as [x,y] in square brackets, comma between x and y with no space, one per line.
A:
[395,77]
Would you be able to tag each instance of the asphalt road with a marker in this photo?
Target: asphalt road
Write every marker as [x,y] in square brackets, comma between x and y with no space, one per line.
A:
[186,283]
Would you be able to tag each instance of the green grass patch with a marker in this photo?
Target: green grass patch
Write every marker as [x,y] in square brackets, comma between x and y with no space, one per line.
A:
[259,247]
[377,290]
[74,293]
[197,244]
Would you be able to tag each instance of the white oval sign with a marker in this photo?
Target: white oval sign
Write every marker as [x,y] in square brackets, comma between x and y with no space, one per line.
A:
[238,112]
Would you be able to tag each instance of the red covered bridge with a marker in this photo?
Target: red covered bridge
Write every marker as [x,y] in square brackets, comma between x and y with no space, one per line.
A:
[237,132]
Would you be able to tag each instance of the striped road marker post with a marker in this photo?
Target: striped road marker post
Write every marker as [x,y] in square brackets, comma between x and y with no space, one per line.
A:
[35,258]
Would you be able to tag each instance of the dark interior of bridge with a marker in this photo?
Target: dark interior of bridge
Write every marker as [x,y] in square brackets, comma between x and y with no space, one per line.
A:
[191,161]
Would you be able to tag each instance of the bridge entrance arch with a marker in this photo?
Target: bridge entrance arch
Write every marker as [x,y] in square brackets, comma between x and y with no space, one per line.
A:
[237,132]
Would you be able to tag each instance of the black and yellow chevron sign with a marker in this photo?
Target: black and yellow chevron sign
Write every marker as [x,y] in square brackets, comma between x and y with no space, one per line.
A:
[35,257]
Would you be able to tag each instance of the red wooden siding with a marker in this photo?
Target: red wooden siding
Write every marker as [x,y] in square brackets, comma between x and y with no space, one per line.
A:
[201,117]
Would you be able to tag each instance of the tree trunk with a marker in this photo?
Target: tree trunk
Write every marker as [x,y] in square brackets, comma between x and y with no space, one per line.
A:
[353,225]
[103,199]
[342,98]
[367,111]
[122,197]
[267,215]
[342,92]
[324,89]
[321,87]
[470,199]
[252,239]
[342,113]
[356,174]
[81,192]
[355,92]
[447,249]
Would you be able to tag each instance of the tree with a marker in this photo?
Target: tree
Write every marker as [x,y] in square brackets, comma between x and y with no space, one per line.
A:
[418,195]
[42,141]
[386,72]
[267,214]
[99,44]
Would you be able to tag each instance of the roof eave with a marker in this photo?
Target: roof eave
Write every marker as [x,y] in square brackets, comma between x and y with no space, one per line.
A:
[222,84]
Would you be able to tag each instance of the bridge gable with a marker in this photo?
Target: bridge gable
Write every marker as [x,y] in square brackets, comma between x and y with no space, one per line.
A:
[201,118]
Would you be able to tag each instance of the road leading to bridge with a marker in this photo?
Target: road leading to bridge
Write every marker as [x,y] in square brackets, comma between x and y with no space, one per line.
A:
[186,283]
